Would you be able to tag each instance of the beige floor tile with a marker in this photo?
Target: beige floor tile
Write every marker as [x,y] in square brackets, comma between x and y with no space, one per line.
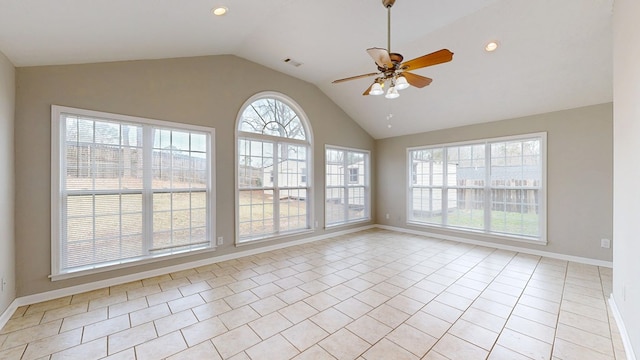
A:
[531,328]
[174,322]
[536,315]
[585,339]
[127,307]
[566,350]
[127,354]
[149,314]
[341,292]
[266,290]
[23,322]
[372,298]
[314,353]
[211,309]
[298,312]
[269,325]
[131,337]
[237,317]
[95,349]
[412,339]
[524,344]
[174,284]
[419,294]
[123,288]
[69,310]
[235,341]
[203,330]
[499,298]
[163,297]
[434,355]
[369,329]
[501,353]
[277,347]
[161,347]
[13,353]
[89,295]
[331,320]
[143,291]
[204,350]
[385,349]
[455,348]
[321,301]
[405,304]
[388,315]
[27,335]
[293,295]
[52,344]
[344,345]
[185,303]
[540,304]
[353,308]
[106,327]
[87,318]
[156,280]
[216,294]
[429,324]
[107,300]
[358,284]
[268,305]
[48,305]
[474,334]
[305,334]
[442,311]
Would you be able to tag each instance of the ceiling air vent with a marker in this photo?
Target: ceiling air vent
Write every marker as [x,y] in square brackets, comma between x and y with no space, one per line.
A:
[293,62]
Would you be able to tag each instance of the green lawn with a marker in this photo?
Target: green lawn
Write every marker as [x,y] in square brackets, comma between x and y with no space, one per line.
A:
[501,221]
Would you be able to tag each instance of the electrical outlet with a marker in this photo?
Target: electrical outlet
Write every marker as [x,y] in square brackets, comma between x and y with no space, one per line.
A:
[220,240]
[386,216]
[316,224]
[4,284]
[605,243]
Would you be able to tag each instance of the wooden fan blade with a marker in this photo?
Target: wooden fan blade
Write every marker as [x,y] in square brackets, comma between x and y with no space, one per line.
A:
[368,90]
[381,57]
[354,77]
[435,58]
[417,80]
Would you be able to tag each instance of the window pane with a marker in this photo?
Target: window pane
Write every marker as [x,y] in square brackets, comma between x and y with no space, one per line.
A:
[503,198]
[293,209]
[104,212]
[465,208]
[272,117]
[346,193]
[256,216]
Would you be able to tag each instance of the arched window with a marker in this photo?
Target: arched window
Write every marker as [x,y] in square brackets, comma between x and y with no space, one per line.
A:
[273,169]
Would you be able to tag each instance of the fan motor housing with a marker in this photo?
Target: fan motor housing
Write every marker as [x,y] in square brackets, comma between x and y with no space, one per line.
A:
[388,3]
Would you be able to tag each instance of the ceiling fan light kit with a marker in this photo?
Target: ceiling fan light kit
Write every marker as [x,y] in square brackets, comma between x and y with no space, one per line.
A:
[395,73]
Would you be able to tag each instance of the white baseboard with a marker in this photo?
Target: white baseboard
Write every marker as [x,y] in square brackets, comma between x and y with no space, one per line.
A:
[626,341]
[58,293]
[8,312]
[552,255]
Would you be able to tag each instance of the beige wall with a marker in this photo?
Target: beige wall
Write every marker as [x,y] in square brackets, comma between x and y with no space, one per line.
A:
[626,134]
[579,176]
[7,243]
[202,90]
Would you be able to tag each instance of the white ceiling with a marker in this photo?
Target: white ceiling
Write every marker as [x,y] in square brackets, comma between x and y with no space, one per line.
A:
[553,54]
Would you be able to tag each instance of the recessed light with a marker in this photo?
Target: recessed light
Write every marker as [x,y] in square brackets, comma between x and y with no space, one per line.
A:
[491,46]
[220,10]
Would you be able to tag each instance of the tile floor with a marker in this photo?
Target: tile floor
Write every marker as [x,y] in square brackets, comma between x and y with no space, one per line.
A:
[374,294]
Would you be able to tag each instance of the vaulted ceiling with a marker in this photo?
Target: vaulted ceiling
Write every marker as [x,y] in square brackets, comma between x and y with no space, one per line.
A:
[553,55]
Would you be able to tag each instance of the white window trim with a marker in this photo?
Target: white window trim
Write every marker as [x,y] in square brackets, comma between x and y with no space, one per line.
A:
[304,119]
[367,186]
[485,232]
[56,180]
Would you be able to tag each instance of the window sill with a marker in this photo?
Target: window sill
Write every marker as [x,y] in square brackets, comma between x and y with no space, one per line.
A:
[343,224]
[484,234]
[240,243]
[89,270]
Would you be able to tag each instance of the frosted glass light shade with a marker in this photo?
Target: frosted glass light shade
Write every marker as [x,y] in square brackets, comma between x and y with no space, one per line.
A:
[376,89]
[401,83]
[392,93]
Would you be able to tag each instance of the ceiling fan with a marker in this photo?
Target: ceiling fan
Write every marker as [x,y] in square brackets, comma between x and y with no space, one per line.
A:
[394,72]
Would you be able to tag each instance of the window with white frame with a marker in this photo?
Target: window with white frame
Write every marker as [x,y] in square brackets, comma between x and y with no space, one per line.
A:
[347,193]
[273,196]
[495,186]
[126,189]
